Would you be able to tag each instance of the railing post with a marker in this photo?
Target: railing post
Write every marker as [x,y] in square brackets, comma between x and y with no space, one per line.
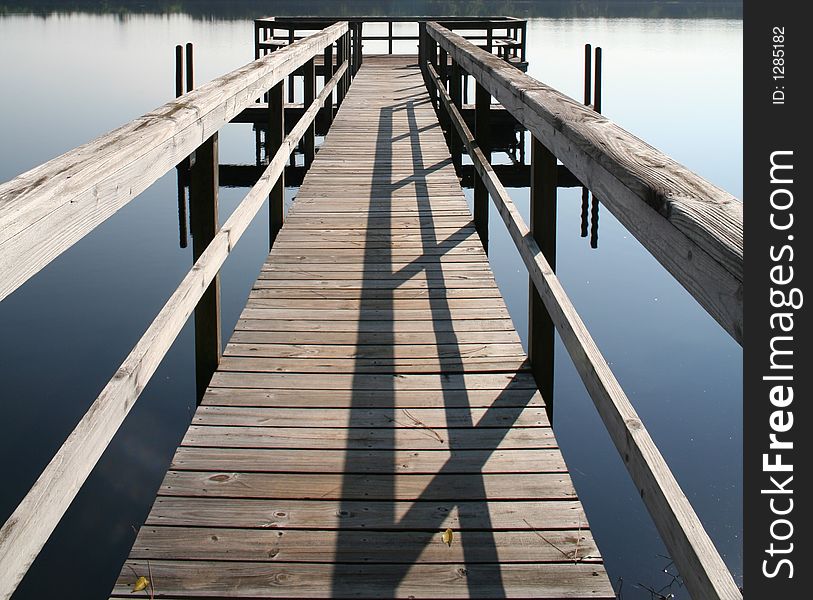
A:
[309,96]
[328,70]
[597,82]
[340,58]
[390,35]
[348,75]
[203,191]
[443,116]
[190,68]
[291,76]
[541,330]
[276,133]
[455,93]
[588,68]
[482,129]
[178,70]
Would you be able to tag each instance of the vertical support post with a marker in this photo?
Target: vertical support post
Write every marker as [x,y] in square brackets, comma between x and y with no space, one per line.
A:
[482,133]
[309,97]
[465,88]
[178,71]
[190,68]
[443,73]
[348,75]
[389,24]
[541,330]
[524,40]
[203,191]
[291,76]
[276,133]
[328,70]
[455,93]
[597,93]
[360,42]
[489,38]
[341,56]
[588,81]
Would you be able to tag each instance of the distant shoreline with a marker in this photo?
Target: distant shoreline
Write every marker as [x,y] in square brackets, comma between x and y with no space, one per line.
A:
[249,9]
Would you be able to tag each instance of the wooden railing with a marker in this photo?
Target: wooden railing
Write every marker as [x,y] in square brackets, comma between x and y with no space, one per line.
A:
[46,210]
[693,228]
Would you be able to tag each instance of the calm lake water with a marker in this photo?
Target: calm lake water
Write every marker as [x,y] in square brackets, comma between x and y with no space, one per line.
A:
[67,78]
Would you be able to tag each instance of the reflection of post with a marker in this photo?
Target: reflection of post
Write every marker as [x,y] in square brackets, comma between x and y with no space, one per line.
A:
[482,132]
[203,190]
[585,210]
[594,223]
[543,229]
[275,135]
[309,96]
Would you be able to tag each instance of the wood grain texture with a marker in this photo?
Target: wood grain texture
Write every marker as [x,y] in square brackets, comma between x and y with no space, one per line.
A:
[374,392]
[690,226]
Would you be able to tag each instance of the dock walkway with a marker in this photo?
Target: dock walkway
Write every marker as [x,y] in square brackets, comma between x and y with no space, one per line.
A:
[373,394]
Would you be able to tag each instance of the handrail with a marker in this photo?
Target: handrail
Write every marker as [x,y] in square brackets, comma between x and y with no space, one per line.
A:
[31,524]
[44,211]
[693,228]
[699,563]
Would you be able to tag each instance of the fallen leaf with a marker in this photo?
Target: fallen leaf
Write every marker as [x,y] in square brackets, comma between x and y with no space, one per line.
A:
[448,535]
[140,584]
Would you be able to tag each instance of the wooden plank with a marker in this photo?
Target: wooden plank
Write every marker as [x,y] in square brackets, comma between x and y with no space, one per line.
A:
[495,416]
[414,438]
[390,383]
[368,461]
[404,547]
[361,399]
[693,228]
[46,210]
[282,580]
[346,351]
[397,515]
[317,486]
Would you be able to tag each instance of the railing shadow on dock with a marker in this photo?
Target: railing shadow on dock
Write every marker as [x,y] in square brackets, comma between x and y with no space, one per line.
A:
[475,519]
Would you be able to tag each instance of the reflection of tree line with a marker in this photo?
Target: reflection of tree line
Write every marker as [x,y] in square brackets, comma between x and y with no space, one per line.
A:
[242,9]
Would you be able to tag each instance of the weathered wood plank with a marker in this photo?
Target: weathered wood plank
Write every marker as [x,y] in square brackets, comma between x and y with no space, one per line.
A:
[297,546]
[412,438]
[282,580]
[497,416]
[395,515]
[379,462]
[453,488]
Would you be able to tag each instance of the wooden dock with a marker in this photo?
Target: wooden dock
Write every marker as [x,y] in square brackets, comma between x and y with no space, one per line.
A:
[373,394]
[374,428]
